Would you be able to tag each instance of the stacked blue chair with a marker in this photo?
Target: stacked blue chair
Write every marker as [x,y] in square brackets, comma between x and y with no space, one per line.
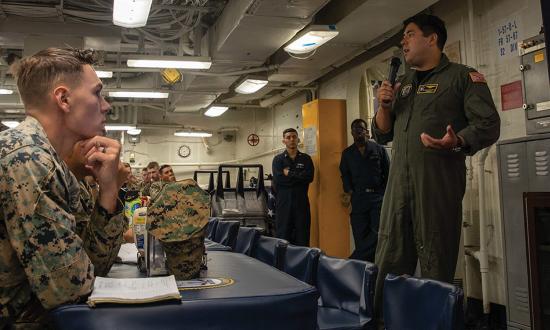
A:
[226,233]
[246,239]
[270,250]
[211,228]
[347,294]
[421,304]
[301,263]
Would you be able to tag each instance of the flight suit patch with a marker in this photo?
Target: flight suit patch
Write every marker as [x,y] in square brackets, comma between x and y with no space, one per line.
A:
[406,90]
[427,89]
[300,166]
[477,77]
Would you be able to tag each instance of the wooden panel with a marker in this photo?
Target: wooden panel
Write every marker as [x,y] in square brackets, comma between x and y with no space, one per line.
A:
[330,220]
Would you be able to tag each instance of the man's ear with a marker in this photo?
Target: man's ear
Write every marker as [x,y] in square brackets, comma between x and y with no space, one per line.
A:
[61,96]
[299,140]
[283,142]
[433,39]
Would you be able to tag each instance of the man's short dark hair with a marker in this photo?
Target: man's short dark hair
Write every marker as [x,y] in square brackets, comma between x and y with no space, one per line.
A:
[430,24]
[357,121]
[289,130]
[163,167]
[152,165]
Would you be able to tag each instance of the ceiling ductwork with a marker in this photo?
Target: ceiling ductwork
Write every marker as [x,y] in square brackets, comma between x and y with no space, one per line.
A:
[241,37]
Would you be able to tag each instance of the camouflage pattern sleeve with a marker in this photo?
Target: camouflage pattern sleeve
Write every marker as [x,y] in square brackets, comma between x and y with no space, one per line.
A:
[38,196]
[101,232]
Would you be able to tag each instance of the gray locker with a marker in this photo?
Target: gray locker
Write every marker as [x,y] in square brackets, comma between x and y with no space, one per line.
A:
[524,165]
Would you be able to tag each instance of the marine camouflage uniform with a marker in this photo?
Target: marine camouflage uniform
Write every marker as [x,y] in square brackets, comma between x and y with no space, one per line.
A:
[43,261]
[178,216]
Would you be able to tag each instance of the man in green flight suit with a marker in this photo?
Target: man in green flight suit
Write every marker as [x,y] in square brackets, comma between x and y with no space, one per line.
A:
[421,212]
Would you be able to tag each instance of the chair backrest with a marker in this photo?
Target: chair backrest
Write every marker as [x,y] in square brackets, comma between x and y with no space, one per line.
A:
[347,284]
[246,239]
[211,228]
[226,233]
[301,262]
[270,250]
[417,303]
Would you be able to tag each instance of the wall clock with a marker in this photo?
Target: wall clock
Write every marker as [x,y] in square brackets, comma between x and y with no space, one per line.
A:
[184,151]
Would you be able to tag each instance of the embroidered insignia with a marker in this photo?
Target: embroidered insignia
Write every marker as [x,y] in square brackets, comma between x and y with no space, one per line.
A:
[405,91]
[477,77]
[427,89]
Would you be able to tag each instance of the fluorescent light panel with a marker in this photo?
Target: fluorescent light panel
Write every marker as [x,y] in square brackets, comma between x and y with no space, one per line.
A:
[135,94]
[131,13]
[215,111]
[10,123]
[193,134]
[250,86]
[135,131]
[311,38]
[170,62]
[119,127]
[4,91]
[104,74]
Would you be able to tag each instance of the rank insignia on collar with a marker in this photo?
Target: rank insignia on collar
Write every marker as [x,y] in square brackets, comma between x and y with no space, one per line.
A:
[405,91]
[427,89]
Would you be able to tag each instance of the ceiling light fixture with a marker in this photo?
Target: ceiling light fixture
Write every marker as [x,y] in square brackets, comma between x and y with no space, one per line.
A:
[104,74]
[191,133]
[251,85]
[310,38]
[134,131]
[171,62]
[136,94]
[215,111]
[4,91]
[131,13]
[10,123]
[117,127]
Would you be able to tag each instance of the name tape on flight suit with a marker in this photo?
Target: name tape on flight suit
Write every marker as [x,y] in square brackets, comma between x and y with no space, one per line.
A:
[477,77]
[427,89]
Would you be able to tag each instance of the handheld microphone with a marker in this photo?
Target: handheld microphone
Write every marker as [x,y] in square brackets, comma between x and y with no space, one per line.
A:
[394,67]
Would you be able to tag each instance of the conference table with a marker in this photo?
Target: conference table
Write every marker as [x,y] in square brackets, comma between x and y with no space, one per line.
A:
[215,246]
[261,297]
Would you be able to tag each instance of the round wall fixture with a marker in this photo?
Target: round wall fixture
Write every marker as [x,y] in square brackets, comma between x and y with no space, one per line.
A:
[184,151]
[253,140]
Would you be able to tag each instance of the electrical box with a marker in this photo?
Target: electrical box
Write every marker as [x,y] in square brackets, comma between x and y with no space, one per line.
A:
[536,85]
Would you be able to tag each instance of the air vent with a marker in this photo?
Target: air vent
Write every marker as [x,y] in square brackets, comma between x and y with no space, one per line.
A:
[541,163]
[522,300]
[512,165]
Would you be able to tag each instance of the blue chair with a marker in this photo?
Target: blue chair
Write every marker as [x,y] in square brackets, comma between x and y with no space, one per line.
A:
[246,239]
[270,250]
[417,303]
[211,228]
[226,233]
[347,294]
[301,263]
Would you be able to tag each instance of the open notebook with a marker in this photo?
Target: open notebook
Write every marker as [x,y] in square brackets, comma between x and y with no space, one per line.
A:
[133,290]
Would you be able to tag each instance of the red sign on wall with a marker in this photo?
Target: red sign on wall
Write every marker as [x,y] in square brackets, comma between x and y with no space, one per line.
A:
[511,96]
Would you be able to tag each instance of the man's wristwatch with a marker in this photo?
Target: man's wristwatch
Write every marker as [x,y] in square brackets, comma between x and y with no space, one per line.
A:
[459,144]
